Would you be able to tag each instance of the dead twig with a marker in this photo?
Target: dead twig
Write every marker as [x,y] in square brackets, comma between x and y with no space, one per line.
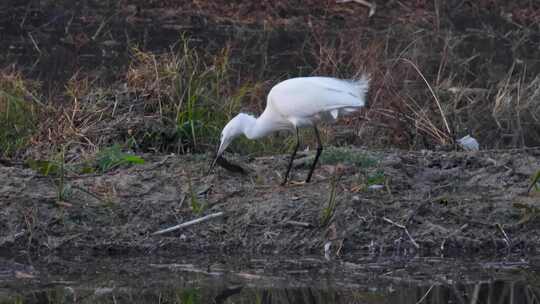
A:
[301,224]
[415,244]
[189,223]
[34,42]
[452,234]
[425,295]
[372,6]
[505,236]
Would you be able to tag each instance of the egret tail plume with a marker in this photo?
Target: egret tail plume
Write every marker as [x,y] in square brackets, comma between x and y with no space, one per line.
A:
[362,85]
[358,87]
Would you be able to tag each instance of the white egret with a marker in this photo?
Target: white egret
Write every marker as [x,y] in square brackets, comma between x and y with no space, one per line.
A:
[295,103]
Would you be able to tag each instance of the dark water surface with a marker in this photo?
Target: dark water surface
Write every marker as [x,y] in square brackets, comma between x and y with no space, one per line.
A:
[267,280]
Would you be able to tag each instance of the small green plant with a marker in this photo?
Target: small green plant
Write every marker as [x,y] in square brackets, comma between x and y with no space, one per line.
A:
[335,155]
[528,212]
[62,190]
[196,206]
[534,182]
[18,300]
[113,157]
[377,178]
[30,222]
[330,209]
[189,296]
[44,167]
[367,179]
[55,168]
[18,112]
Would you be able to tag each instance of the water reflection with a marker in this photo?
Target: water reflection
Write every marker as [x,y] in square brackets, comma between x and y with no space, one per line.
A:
[482,292]
[188,284]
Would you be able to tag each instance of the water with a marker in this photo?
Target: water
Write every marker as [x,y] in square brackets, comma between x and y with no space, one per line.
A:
[267,280]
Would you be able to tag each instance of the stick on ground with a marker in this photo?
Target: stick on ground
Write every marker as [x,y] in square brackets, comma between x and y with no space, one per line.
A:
[189,223]
[415,244]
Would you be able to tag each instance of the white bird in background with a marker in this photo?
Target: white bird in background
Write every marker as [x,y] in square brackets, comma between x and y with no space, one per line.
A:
[296,103]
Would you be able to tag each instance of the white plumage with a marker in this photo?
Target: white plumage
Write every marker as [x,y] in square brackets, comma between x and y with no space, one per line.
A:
[295,103]
[306,98]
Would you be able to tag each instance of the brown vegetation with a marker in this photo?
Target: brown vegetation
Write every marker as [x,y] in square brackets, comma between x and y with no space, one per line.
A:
[440,70]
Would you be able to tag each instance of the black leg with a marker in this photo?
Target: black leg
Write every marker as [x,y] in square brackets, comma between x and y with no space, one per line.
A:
[319,151]
[292,158]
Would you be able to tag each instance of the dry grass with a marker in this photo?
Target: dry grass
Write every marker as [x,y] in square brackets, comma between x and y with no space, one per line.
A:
[176,101]
[516,109]
[19,110]
[423,118]
[418,97]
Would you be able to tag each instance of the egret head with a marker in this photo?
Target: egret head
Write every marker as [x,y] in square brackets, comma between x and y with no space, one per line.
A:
[234,128]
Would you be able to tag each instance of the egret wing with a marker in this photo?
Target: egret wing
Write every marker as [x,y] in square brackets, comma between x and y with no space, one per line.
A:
[307,97]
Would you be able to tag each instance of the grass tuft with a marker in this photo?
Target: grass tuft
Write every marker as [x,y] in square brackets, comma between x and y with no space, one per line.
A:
[329,210]
[196,206]
[534,182]
[188,90]
[113,157]
[19,108]
[335,155]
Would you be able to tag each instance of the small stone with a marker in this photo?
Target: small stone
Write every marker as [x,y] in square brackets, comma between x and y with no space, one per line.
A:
[375,187]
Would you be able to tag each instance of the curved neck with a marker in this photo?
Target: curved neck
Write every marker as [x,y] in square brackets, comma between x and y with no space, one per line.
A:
[254,128]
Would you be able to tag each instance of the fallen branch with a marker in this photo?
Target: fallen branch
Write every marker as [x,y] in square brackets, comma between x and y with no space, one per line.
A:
[189,223]
[425,295]
[296,223]
[372,6]
[415,244]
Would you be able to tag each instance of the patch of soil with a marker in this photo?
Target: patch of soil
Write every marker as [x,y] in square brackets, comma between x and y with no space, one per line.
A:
[430,203]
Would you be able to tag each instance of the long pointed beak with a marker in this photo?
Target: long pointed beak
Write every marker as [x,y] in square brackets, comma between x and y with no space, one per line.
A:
[212,165]
[214,161]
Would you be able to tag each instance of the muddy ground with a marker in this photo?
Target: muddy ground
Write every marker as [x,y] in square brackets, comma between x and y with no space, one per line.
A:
[450,204]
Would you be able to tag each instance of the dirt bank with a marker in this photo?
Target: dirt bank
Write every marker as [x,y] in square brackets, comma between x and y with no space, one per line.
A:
[451,203]
[97,85]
